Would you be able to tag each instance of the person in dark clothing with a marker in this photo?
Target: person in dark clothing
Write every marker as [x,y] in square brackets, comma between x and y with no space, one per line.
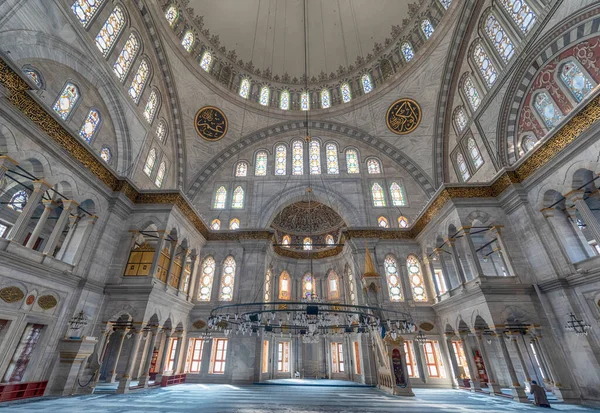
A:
[539,395]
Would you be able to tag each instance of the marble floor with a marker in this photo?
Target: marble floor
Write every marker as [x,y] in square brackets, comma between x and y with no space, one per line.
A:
[215,398]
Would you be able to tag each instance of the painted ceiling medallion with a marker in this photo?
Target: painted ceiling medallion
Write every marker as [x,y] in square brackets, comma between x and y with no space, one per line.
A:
[403,116]
[11,294]
[211,123]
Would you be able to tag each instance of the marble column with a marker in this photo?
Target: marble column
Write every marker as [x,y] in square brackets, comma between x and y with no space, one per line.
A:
[503,251]
[73,224]
[429,265]
[125,379]
[145,377]
[474,257]
[473,370]
[513,339]
[61,222]
[551,369]
[440,254]
[577,198]
[112,372]
[5,164]
[456,260]
[160,243]
[19,230]
[184,258]
[193,287]
[517,389]
[49,205]
[88,223]
[453,359]
[420,361]
[179,351]
[172,252]
[492,380]
[163,357]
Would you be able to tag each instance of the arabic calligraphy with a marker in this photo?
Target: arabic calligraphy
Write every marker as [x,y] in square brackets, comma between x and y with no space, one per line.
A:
[211,123]
[403,116]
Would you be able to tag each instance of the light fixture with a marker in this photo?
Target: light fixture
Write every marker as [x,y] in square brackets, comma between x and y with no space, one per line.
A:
[77,322]
[580,327]
[420,337]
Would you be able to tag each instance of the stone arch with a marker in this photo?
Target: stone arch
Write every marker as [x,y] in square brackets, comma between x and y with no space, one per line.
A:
[8,143]
[583,179]
[480,216]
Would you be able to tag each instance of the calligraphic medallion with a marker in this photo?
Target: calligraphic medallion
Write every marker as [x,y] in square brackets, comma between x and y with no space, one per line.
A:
[211,123]
[47,302]
[403,116]
[11,294]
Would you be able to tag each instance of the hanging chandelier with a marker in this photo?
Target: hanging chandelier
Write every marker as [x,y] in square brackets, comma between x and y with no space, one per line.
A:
[580,327]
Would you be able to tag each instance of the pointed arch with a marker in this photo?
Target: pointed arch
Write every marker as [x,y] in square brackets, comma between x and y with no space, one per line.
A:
[66,101]
[333,286]
[220,198]
[206,279]
[237,201]
[307,244]
[382,222]
[285,286]
[90,125]
[333,167]
[378,195]
[286,241]
[111,30]
[86,10]
[227,279]
[126,57]
[280,160]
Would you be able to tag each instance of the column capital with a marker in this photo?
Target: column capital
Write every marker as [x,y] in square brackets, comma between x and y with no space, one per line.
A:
[49,203]
[548,212]
[69,203]
[41,185]
[575,195]
[451,241]
[438,251]
[465,228]
[497,228]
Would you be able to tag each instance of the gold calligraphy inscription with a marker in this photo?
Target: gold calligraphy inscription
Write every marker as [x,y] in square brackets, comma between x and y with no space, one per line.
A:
[403,116]
[211,123]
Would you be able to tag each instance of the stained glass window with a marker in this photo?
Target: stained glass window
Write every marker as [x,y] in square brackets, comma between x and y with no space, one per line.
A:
[241,169]
[378,195]
[402,222]
[126,57]
[407,51]
[499,38]
[171,14]
[333,284]
[284,100]
[18,200]
[66,101]
[90,125]
[315,157]
[474,153]
[367,84]
[397,194]
[139,81]
[111,30]
[227,279]
[106,154]
[486,68]
[308,286]
[307,244]
[578,83]
[206,60]
[220,198]
[427,28]
[245,88]
[305,100]
[151,107]
[332,159]
[161,131]
[521,13]
[325,98]
[297,158]
[393,278]
[280,160]
[260,168]
[383,222]
[234,224]
[265,93]
[460,119]
[445,3]
[237,201]
[416,279]
[85,10]
[462,167]
[206,279]
[188,40]
[528,143]
[34,75]
[150,161]
[352,161]
[471,93]
[547,109]
[373,166]
[351,284]
[284,286]
[329,240]
[346,92]
[268,284]
[215,224]
[286,241]
[160,175]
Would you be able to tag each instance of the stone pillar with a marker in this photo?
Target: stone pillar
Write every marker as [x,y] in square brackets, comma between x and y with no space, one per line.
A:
[145,377]
[453,360]
[49,205]
[73,223]
[492,380]
[577,198]
[172,251]
[68,206]
[5,164]
[19,229]
[440,254]
[473,251]
[73,353]
[193,287]
[112,373]
[513,338]
[503,251]
[542,363]
[182,272]
[517,390]
[551,370]
[429,265]
[157,251]
[163,356]
[420,361]
[125,379]
[579,236]
[473,370]
[89,223]
[456,260]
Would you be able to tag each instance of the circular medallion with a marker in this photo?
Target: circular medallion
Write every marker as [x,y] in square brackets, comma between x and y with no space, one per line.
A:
[30,299]
[199,324]
[47,302]
[211,123]
[403,116]
[11,294]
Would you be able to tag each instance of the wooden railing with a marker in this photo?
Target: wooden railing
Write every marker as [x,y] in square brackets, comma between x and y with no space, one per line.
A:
[17,391]
[172,380]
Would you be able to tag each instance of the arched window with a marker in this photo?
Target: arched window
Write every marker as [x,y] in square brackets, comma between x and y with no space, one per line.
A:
[373,166]
[150,161]
[268,284]
[393,278]
[332,159]
[260,167]
[280,160]
[547,109]
[333,286]
[220,198]
[307,244]
[445,3]
[521,13]
[265,94]
[171,14]
[234,224]
[215,224]
[315,157]
[206,280]
[427,28]
[407,51]
[245,88]
[188,40]
[66,100]
[483,62]
[206,60]
[85,10]
[305,100]
[416,279]
[161,131]
[297,158]
[286,241]
[34,75]
[284,100]
[460,119]
[329,240]
[346,92]
[367,84]
[352,161]
[110,31]
[285,286]
[151,107]
[474,153]
[462,167]
[160,175]
[126,57]
[378,195]
[575,80]
[90,125]
[499,38]
[471,93]
[227,279]
[106,154]
[139,81]
[402,222]
[351,284]
[528,143]
[241,169]
[18,200]
[325,98]
[397,194]
[308,286]
[383,222]
[237,201]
